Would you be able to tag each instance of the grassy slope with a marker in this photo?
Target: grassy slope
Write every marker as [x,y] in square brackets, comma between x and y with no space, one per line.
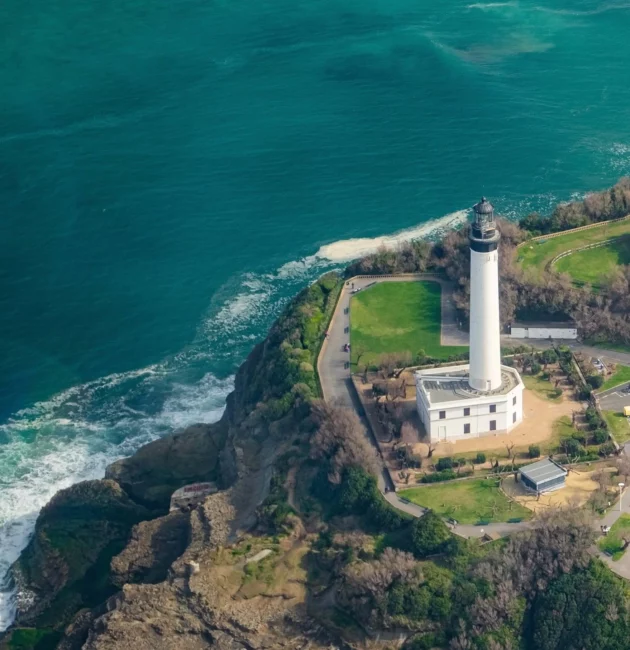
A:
[621,375]
[542,387]
[613,543]
[398,317]
[536,254]
[468,501]
[618,425]
[596,264]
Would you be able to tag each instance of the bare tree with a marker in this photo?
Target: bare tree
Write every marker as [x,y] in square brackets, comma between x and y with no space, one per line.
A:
[387,364]
[432,448]
[408,434]
[509,446]
[623,467]
[341,439]
[360,352]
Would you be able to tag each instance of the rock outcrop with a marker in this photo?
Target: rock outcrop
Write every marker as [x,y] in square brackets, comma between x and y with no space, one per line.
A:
[156,470]
[95,539]
[66,564]
[153,547]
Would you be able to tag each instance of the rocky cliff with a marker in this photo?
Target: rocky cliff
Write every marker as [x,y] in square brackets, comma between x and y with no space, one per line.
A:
[109,567]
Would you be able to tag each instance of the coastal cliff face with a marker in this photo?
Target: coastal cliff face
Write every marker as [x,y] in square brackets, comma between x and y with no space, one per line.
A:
[105,553]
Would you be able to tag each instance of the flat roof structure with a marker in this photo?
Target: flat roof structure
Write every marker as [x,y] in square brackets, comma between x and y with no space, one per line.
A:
[544,475]
[442,386]
[560,324]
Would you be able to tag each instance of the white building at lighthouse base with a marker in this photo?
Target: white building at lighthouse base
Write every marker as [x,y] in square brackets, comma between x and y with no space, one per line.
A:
[451,410]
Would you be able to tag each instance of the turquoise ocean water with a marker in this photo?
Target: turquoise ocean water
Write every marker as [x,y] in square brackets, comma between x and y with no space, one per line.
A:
[172,172]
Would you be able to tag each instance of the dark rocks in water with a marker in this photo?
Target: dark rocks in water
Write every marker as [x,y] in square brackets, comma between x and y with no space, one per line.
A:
[65,565]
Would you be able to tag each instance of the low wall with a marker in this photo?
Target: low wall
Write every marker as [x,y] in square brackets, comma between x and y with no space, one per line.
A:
[571,230]
[599,244]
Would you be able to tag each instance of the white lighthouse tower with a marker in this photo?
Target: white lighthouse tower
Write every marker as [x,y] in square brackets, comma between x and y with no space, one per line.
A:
[485,334]
[482,397]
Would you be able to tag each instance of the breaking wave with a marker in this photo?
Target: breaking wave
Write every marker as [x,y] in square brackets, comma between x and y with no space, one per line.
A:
[350,249]
[75,434]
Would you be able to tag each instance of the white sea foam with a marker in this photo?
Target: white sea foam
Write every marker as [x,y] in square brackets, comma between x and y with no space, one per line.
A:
[63,449]
[74,435]
[350,249]
[484,6]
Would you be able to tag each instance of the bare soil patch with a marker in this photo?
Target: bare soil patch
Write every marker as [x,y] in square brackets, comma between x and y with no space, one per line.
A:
[537,427]
[579,487]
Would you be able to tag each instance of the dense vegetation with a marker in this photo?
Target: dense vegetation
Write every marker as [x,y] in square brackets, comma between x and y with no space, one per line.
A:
[283,368]
[602,316]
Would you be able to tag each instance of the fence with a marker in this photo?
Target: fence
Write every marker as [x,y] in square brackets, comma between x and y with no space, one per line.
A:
[571,230]
[550,264]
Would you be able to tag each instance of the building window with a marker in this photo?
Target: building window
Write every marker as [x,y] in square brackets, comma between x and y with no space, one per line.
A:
[442,415]
[493,425]
[467,428]
[514,401]
[493,408]
[466,412]
[513,418]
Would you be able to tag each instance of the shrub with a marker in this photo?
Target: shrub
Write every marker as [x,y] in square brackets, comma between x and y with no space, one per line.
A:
[444,463]
[444,475]
[607,449]
[595,381]
[583,394]
[429,535]
[535,367]
[572,447]
[534,451]
[600,436]
[480,458]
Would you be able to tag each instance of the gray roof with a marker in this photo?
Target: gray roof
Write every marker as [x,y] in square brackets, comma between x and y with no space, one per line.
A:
[483,207]
[542,471]
[549,324]
[443,387]
[448,390]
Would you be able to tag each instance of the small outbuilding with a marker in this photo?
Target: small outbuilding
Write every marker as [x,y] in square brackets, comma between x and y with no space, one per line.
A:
[544,330]
[543,476]
[626,411]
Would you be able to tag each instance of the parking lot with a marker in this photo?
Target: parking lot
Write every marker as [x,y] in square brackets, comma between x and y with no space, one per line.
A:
[615,398]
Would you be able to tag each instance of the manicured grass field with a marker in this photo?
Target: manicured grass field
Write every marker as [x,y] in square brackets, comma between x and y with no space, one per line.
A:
[613,543]
[469,501]
[618,425]
[620,376]
[542,387]
[536,254]
[595,264]
[398,317]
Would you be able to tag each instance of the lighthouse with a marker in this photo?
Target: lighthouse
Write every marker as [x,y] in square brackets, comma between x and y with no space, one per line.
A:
[485,334]
[482,397]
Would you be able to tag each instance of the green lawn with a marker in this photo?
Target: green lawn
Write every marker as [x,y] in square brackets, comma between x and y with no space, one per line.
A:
[618,425]
[621,375]
[469,501]
[398,317]
[536,254]
[542,387]
[595,264]
[613,543]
